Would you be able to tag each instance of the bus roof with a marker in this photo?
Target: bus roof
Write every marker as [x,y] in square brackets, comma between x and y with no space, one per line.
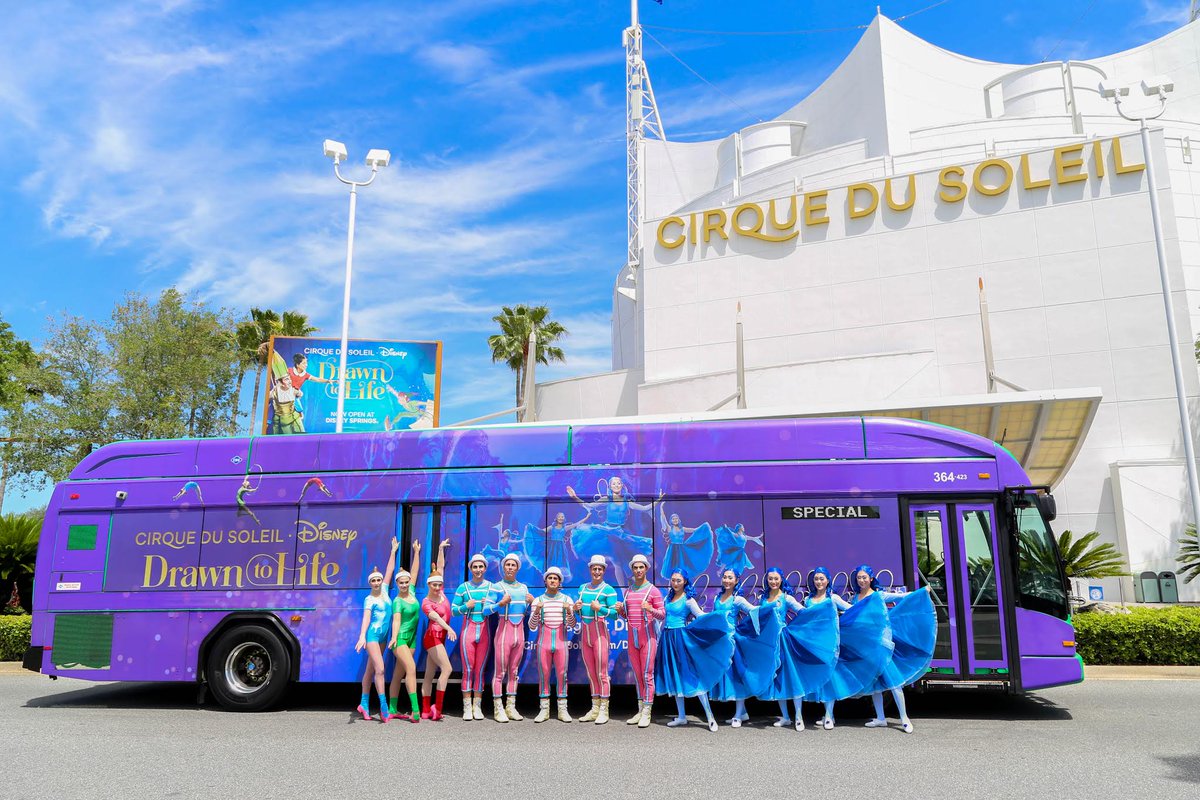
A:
[566,445]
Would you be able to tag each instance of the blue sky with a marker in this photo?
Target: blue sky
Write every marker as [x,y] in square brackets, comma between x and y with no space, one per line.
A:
[176,143]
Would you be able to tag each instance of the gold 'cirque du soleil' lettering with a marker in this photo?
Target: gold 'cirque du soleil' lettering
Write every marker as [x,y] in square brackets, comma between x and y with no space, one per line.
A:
[992,178]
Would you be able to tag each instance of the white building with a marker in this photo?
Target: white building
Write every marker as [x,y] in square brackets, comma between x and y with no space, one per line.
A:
[854,228]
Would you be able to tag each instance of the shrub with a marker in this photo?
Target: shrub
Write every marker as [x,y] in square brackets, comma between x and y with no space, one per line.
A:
[1144,636]
[14,637]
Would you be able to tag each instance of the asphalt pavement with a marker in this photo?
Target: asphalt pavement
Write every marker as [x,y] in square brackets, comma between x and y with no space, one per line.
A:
[1100,739]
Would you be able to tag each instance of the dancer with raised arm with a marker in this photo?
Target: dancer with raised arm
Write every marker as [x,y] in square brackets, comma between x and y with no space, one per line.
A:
[437,608]
[642,608]
[511,606]
[689,549]
[406,613]
[473,601]
[612,537]
[373,636]
[755,648]
[553,617]
[596,604]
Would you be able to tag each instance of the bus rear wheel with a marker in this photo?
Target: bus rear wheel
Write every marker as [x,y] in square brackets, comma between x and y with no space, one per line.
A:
[248,668]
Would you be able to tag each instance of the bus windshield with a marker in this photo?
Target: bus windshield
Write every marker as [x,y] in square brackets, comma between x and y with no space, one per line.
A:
[1040,581]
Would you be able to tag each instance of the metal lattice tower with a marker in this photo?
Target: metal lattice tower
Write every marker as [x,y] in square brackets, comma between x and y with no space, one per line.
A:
[641,121]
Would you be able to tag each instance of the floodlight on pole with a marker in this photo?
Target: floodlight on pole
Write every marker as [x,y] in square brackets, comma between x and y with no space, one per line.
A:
[1159,86]
[376,159]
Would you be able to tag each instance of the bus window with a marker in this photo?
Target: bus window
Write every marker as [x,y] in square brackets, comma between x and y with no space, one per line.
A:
[498,529]
[983,591]
[1040,585]
[931,566]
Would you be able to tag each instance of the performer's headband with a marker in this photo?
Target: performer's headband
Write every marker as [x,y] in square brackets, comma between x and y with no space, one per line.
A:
[375,572]
[403,574]
[433,579]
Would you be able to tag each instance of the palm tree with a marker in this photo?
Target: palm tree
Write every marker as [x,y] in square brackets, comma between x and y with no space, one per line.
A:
[1082,559]
[1189,555]
[254,344]
[512,343]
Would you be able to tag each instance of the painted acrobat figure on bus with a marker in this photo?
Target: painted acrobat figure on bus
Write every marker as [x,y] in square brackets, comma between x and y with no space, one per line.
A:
[406,613]
[612,537]
[642,607]
[912,623]
[374,635]
[755,647]
[314,483]
[596,604]
[242,507]
[689,549]
[731,547]
[437,608]
[557,540]
[691,657]
[513,602]
[552,618]
[190,486]
[473,601]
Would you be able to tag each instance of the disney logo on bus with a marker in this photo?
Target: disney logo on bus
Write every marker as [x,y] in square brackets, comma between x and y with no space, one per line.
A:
[307,533]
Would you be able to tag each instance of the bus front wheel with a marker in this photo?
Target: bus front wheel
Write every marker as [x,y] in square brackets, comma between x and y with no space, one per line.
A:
[248,668]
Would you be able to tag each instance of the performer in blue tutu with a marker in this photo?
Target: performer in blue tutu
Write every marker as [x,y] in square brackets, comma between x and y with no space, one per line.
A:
[808,647]
[556,539]
[755,648]
[689,549]
[731,547]
[691,658]
[913,626]
[820,591]
[611,538]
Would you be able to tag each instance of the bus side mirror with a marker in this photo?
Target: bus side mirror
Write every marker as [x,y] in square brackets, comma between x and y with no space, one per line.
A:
[1048,506]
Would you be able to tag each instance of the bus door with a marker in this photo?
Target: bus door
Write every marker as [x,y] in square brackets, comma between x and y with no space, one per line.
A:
[429,525]
[955,555]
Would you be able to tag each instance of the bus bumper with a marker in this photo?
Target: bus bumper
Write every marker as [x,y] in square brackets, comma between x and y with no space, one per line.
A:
[33,658]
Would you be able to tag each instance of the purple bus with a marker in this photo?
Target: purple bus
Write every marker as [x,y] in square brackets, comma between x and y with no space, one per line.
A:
[242,564]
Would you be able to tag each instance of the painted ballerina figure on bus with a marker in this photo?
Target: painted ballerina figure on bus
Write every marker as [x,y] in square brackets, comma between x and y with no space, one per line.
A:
[731,547]
[611,538]
[557,537]
[690,549]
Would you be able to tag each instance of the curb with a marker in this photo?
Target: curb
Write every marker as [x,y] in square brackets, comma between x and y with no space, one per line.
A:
[13,668]
[1118,672]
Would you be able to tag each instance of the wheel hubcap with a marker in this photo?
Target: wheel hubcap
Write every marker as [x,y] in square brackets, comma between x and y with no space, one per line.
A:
[247,668]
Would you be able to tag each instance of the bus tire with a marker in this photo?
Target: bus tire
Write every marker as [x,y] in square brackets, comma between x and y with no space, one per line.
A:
[248,668]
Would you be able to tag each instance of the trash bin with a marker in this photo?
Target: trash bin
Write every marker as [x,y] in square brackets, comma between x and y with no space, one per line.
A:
[1146,588]
[1167,587]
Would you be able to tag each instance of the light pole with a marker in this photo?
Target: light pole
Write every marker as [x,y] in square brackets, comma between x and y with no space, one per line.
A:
[1158,86]
[375,159]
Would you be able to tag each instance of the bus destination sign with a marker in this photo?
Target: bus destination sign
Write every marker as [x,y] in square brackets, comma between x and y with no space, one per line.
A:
[830,512]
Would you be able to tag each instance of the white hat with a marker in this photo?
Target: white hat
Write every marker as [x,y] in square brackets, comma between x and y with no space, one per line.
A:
[512,557]
[477,557]
[552,571]
[597,561]
[639,559]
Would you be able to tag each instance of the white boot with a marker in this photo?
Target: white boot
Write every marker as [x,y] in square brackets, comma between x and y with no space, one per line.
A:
[498,711]
[468,701]
[511,709]
[563,716]
[637,717]
[602,714]
[543,710]
[477,707]
[644,722]
[593,712]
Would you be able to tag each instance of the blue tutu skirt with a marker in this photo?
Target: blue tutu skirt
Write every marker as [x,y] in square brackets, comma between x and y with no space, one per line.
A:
[865,647]
[556,556]
[755,658]
[731,551]
[808,649]
[694,554]
[535,547]
[693,658]
[614,543]
[914,632]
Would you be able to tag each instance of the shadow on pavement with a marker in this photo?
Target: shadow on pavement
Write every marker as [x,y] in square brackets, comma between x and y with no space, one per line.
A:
[1185,768]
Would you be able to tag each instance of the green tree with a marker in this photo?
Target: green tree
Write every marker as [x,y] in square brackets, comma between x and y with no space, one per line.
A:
[512,343]
[1083,559]
[1188,556]
[17,360]
[254,343]
[19,535]
[161,369]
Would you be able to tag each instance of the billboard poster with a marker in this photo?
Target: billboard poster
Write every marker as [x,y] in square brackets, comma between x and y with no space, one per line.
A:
[390,385]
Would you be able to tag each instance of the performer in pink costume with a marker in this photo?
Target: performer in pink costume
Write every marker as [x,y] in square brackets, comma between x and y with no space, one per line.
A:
[596,603]
[642,607]
[473,601]
[510,637]
[553,616]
